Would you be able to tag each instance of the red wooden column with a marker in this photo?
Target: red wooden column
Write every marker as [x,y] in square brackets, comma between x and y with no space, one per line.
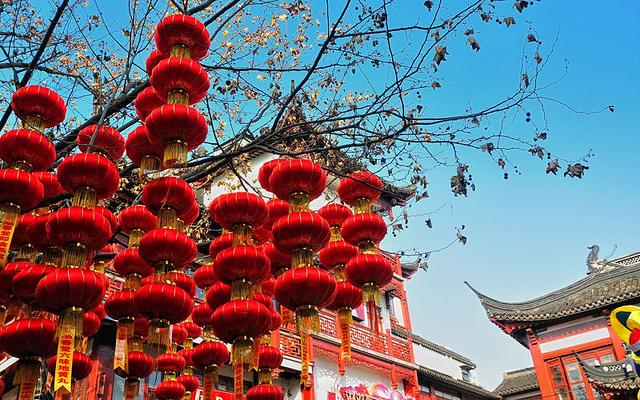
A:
[618,346]
[545,380]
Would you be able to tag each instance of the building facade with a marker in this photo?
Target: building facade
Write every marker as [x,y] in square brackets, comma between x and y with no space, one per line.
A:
[566,329]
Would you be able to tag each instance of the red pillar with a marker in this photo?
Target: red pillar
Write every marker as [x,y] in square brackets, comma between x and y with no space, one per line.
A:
[545,381]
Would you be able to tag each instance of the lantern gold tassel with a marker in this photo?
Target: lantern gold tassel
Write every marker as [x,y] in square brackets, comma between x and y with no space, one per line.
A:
[27,376]
[371,293]
[241,290]
[148,164]
[85,197]
[131,388]
[159,336]
[175,155]
[167,218]
[9,214]
[345,319]
[210,380]
[242,234]
[307,319]
[134,237]
[265,376]
[74,256]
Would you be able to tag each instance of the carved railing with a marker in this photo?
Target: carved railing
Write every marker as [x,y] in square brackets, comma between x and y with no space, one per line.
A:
[361,336]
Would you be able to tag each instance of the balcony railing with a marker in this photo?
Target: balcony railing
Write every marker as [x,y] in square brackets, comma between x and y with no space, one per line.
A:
[362,336]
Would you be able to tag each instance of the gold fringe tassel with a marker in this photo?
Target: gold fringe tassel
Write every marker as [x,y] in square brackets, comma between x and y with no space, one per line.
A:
[148,164]
[307,320]
[74,256]
[175,155]
[210,380]
[85,197]
[345,319]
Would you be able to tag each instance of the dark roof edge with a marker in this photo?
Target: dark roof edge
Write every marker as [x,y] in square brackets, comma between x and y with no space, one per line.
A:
[457,383]
[417,339]
[509,379]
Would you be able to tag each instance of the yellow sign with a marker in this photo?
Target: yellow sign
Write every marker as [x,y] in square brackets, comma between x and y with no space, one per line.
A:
[64,359]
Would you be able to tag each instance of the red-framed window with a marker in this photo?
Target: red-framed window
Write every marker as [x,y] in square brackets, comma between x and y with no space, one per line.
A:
[568,378]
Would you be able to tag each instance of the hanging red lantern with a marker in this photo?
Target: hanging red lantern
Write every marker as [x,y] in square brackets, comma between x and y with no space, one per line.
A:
[298,181]
[90,324]
[163,304]
[78,231]
[280,261]
[270,358]
[111,219]
[205,276]
[179,80]
[101,139]
[300,231]
[241,267]
[193,331]
[170,363]
[25,282]
[369,272]
[178,129]
[180,279]
[360,189]
[264,173]
[50,183]
[142,152]
[265,392]
[208,357]
[169,390]
[146,101]
[81,366]
[201,315]
[169,198]
[276,208]
[218,294]
[89,177]
[191,383]
[346,298]
[220,243]
[239,212]
[28,339]
[364,230]
[130,265]
[268,286]
[305,290]
[140,366]
[27,150]
[135,221]
[154,58]
[179,335]
[335,255]
[38,107]
[38,237]
[20,241]
[167,249]
[182,35]
[19,190]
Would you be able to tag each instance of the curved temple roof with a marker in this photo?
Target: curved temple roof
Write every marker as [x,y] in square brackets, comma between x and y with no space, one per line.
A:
[618,376]
[619,283]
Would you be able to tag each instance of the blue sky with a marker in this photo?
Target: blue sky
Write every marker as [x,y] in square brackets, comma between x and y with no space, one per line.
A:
[528,235]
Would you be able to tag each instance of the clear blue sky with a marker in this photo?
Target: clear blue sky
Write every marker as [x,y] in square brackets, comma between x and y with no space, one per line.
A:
[528,235]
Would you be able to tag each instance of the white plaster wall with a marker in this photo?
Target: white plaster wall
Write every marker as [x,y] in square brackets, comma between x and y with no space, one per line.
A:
[439,362]
[327,379]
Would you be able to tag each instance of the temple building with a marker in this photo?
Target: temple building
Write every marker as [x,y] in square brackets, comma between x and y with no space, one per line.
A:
[575,353]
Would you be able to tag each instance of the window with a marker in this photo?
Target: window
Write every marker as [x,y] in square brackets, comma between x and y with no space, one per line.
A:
[559,382]
[445,396]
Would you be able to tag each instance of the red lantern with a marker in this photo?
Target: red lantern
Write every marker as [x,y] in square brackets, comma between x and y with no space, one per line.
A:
[265,392]
[276,208]
[205,276]
[101,139]
[298,181]
[167,249]
[146,101]
[280,261]
[78,230]
[170,362]
[178,129]
[182,35]
[179,80]
[268,286]
[128,262]
[202,314]
[218,294]
[190,382]
[81,366]
[301,230]
[238,210]
[193,330]
[50,184]
[179,335]
[135,221]
[140,366]
[264,173]
[90,177]
[39,107]
[67,289]
[25,282]
[358,186]
[142,152]
[20,240]
[220,243]
[365,230]
[263,299]
[305,289]
[29,337]
[113,222]
[276,320]
[269,359]
[209,356]
[369,272]
[154,58]
[169,198]
[182,280]
[91,324]
[27,150]
[169,390]
[346,298]
[241,267]
[190,216]
[121,306]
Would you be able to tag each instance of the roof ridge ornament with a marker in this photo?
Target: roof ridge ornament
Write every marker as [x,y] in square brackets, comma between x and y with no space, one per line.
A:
[595,264]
